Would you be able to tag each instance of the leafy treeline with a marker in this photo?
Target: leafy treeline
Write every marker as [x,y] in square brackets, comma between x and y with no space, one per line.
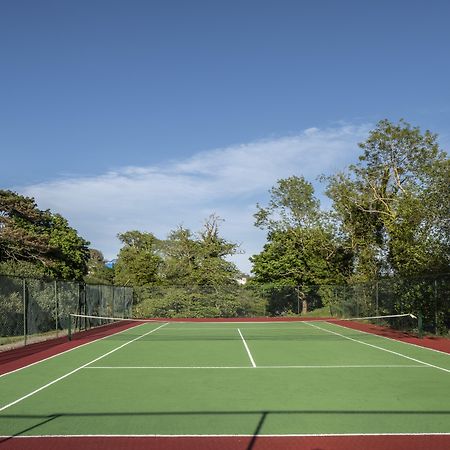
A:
[389,216]
[187,274]
[184,258]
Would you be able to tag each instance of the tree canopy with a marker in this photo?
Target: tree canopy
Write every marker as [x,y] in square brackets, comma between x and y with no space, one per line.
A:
[393,205]
[302,247]
[40,238]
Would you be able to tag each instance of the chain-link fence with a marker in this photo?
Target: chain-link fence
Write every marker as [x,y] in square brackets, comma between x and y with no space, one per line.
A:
[32,310]
[426,297]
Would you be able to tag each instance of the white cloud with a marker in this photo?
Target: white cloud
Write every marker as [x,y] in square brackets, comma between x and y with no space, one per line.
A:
[227,181]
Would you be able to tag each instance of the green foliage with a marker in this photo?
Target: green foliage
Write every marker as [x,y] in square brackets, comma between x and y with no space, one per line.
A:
[23,229]
[31,236]
[199,301]
[302,248]
[183,259]
[25,269]
[71,252]
[98,273]
[139,262]
[292,205]
[394,204]
[199,259]
[302,256]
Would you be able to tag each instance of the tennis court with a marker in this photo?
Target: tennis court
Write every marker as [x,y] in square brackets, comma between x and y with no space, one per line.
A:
[237,384]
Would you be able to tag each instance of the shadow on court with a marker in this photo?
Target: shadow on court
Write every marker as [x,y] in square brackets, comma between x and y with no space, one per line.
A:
[263,415]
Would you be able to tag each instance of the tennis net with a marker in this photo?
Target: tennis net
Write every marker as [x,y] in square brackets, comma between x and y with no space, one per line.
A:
[285,326]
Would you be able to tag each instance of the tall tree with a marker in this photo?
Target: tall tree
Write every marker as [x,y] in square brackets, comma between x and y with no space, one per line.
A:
[22,230]
[28,234]
[213,267]
[302,247]
[394,204]
[291,205]
[139,260]
[200,259]
[180,251]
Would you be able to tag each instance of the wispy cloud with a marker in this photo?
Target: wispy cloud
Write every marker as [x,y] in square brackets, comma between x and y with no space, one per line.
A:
[227,181]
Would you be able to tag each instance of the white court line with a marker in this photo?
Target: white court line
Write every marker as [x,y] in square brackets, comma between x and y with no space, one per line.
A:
[355,366]
[206,436]
[379,348]
[248,350]
[77,369]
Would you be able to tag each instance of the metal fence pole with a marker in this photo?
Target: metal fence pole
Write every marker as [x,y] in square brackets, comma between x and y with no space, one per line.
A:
[25,312]
[376,297]
[435,307]
[56,307]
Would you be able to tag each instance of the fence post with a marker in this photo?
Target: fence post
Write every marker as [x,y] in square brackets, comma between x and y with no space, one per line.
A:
[435,307]
[25,310]
[376,297]
[56,307]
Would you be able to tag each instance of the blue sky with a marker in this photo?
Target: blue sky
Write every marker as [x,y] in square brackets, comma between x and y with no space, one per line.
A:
[150,114]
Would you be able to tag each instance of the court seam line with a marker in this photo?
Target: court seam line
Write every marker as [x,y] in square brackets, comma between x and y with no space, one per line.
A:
[248,350]
[68,350]
[77,369]
[379,348]
[355,366]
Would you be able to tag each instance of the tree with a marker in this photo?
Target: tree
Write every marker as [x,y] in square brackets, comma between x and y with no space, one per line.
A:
[98,272]
[300,257]
[394,204]
[187,275]
[292,205]
[200,259]
[302,247]
[22,230]
[31,236]
[180,257]
[139,260]
[71,252]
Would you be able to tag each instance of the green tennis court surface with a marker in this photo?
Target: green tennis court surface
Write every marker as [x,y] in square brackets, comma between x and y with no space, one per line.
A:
[290,378]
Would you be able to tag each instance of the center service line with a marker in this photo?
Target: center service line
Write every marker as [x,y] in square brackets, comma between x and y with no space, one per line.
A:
[246,348]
